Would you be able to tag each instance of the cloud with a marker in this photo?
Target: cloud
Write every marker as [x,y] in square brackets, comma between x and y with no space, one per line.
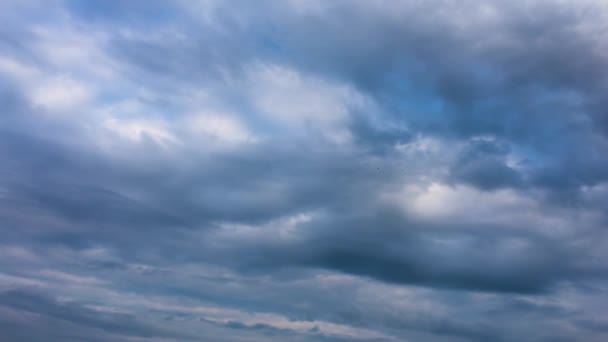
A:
[303,170]
[33,311]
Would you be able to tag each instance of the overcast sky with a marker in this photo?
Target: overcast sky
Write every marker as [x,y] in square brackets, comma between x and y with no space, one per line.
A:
[322,170]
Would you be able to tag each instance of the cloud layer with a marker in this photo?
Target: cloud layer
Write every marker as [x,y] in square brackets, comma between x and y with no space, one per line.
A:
[303,170]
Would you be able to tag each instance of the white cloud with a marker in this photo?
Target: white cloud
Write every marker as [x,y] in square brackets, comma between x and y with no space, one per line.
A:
[17,69]
[437,202]
[61,94]
[301,102]
[283,229]
[220,128]
[138,129]
[77,49]
[72,279]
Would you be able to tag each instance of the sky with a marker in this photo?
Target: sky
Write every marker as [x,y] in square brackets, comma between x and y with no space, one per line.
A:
[303,170]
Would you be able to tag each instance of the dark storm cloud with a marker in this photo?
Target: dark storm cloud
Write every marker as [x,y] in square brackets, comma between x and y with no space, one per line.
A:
[456,150]
[391,248]
[483,165]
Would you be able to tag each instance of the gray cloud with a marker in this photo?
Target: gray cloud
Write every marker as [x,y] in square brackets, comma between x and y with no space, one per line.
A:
[303,170]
